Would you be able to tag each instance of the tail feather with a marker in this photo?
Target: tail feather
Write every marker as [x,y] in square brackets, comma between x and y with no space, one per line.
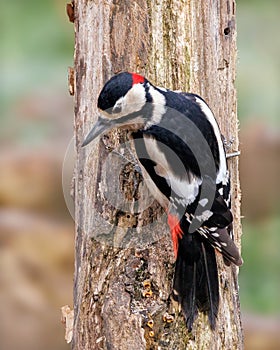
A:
[196,285]
[211,277]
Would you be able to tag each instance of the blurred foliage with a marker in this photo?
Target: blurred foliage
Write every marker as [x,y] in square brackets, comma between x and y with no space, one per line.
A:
[34,18]
[37,44]
[36,116]
[260,277]
[258,87]
[258,77]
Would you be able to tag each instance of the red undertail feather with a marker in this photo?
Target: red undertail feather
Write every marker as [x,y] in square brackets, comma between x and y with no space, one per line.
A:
[176,231]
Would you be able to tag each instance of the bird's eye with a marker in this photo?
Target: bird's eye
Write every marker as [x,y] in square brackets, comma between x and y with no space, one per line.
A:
[118,106]
[117,109]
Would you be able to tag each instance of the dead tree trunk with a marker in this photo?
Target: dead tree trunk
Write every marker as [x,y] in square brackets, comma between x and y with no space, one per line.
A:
[124,258]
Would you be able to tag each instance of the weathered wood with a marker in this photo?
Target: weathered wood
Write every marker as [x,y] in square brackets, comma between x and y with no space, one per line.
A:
[124,258]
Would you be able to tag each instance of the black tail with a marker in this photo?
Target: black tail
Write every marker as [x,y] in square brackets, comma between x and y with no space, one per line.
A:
[196,285]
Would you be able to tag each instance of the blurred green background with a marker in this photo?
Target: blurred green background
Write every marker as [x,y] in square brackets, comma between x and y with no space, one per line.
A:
[37,232]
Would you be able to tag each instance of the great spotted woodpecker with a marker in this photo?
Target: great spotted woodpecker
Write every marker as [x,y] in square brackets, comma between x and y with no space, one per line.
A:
[181,153]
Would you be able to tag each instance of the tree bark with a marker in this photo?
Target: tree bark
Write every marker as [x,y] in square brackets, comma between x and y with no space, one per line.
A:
[124,256]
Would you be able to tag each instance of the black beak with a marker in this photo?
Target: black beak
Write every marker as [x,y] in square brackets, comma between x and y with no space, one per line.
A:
[101,126]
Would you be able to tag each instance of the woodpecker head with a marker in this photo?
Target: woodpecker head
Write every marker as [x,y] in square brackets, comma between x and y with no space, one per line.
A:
[119,103]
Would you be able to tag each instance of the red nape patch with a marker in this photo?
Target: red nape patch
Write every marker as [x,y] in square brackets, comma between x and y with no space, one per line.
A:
[136,78]
[176,231]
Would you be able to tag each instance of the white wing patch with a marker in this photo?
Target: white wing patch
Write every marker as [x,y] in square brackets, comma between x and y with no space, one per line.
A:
[203,202]
[162,88]
[222,173]
[186,188]
[204,216]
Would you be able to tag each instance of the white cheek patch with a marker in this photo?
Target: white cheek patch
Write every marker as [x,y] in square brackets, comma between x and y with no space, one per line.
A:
[118,105]
[134,100]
